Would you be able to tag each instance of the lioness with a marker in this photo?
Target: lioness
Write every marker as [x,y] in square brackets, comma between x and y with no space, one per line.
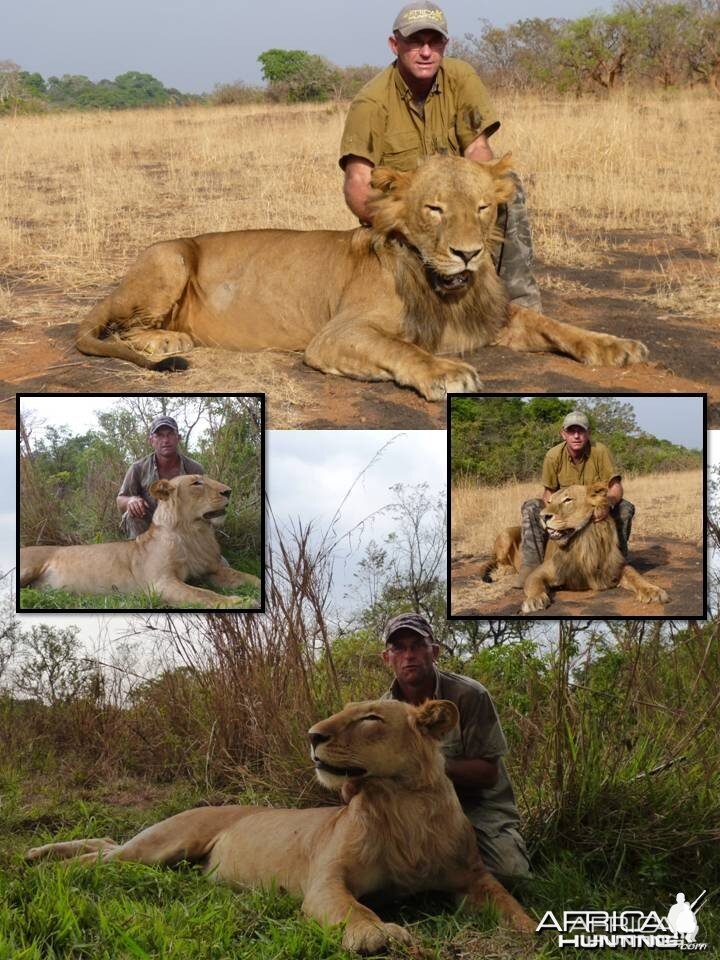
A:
[403,832]
[374,304]
[580,554]
[179,544]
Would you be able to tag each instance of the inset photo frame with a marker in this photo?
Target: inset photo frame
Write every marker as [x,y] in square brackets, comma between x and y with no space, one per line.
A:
[564,506]
[137,503]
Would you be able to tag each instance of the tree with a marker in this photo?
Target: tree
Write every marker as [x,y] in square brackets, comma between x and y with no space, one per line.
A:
[704,43]
[298,76]
[600,47]
[52,670]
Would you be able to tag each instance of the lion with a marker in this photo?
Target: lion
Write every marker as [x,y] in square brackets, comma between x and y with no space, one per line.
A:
[402,832]
[179,544]
[580,554]
[374,304]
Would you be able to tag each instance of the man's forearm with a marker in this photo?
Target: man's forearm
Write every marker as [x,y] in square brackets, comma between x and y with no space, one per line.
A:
[476,772]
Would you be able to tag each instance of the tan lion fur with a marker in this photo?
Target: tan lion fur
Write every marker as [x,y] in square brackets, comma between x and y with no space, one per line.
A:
[402,832]
[585,557]
[180,544]
[374,304]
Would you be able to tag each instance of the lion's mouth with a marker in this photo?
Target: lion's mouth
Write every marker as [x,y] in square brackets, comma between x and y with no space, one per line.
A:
[339,771]
[559,535]
[450,283]
[211,514]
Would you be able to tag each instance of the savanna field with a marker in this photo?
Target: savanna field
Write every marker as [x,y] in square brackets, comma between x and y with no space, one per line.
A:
[612,727]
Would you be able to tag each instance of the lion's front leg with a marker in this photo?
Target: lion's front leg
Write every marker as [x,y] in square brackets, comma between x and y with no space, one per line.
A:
[226,576]
[330,902]
[356,348]
[486,889]
[179,593]
[537,591]
[531,331]
[644,590]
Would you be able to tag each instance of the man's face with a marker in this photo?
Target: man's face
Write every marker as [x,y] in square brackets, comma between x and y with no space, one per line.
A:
[411,657]
[165,441]
[420,54]
[576,438]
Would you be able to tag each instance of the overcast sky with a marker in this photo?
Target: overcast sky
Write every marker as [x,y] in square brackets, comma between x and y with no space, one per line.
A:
[193,46]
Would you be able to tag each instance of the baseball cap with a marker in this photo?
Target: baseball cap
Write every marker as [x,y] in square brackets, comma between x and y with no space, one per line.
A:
[408,621]
[576,419]
[159,422]
[420,16]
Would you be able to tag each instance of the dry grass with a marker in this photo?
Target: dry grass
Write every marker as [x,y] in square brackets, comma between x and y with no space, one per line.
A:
[667,505]
[81,194]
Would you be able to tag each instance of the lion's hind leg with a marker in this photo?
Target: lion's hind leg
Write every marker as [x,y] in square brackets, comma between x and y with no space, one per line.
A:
[644,590]
[505,556]
[131,322]
[536,333]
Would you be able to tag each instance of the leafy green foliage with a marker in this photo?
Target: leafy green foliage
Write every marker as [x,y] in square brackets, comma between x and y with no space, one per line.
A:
[494,439]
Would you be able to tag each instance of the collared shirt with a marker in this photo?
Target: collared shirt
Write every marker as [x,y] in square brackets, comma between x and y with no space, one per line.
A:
[143,473]
[559,470]
[478,735]
[386,126]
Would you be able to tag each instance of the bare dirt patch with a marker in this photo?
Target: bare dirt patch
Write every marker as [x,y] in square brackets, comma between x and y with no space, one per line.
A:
[619,296]
[675,565]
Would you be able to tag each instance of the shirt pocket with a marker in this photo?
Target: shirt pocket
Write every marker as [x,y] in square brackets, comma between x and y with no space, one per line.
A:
[402,149]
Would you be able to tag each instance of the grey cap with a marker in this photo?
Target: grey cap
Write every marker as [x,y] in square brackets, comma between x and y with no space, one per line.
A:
[159,422]
[420,16]
[408,621]
[576,419]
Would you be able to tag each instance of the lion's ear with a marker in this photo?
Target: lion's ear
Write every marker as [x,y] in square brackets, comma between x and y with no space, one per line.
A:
[598,491]
[504,184]
[387,179]
[436,718]
[161,489]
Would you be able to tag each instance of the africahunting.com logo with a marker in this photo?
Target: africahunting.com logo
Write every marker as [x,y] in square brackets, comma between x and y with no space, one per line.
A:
[595,929]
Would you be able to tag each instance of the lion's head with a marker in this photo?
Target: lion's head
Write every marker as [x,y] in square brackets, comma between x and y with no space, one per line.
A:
[446,211]
[570,510]
[190,499]
[381,738]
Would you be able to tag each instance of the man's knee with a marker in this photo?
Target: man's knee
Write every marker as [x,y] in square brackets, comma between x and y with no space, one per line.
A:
[504,854]
[624,510]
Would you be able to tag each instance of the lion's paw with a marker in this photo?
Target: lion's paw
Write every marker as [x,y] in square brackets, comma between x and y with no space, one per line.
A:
[450,376]
[160,343]
[531,604]
[652,595]
[374,937]
[617,352]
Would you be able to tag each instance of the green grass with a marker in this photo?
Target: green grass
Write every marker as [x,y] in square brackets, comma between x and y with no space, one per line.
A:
[48,599]
[124,910]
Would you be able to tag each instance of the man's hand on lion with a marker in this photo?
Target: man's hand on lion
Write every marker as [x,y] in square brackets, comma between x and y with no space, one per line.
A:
[137,507]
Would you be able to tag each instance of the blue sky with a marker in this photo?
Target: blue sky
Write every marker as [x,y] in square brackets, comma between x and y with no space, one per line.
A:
[193,46]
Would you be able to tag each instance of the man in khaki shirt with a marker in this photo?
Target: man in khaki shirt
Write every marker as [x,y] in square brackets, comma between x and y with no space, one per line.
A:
[473,751]
[424,104]
[575,460]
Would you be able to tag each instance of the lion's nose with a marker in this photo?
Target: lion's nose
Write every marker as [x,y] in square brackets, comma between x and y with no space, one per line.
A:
[465,255]
[226,493]
[317,738]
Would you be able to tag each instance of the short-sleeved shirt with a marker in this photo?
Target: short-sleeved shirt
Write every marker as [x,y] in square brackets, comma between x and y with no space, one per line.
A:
[385,126]
[143,473]
[559,470]
[478,735]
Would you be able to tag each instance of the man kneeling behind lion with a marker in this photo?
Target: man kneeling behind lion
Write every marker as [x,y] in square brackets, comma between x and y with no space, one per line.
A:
[582,552]
[180,544]
[402,832]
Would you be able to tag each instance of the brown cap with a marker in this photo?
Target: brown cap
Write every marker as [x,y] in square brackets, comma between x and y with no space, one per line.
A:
[159,422]
[576,419]
[408,621]
[420,16]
